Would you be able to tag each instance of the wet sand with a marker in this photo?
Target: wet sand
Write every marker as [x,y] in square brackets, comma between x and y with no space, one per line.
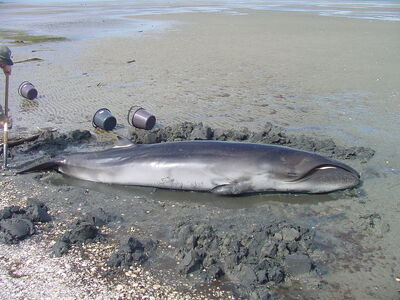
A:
[325,77]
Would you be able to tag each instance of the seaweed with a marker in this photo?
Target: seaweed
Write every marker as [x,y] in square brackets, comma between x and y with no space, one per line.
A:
[23,37]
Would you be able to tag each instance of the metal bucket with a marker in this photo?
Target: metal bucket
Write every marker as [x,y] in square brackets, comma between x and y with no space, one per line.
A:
[27,90]
[104,119]
[141,118]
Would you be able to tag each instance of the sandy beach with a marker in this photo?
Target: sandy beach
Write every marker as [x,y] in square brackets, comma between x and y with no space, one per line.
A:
[323,77]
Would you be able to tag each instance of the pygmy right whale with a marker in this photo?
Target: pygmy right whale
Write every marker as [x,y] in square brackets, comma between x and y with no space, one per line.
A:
[226,168]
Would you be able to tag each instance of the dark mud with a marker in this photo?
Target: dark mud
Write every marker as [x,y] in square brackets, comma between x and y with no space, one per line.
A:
[18,223]
[251,251]
[52,143]
[271,134]
[255,260]
[132,251]
[85,230]
[80,233]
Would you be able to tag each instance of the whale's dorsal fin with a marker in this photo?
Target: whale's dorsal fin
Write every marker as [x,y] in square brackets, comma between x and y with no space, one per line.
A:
[123,142]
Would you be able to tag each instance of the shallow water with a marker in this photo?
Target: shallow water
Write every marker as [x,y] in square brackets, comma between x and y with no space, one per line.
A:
[374,10]
[88,19]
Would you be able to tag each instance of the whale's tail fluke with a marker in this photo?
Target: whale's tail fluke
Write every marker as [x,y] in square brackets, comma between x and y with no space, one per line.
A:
[48,165]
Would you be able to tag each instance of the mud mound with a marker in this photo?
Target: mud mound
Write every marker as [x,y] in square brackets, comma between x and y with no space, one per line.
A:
[256,260]
[132,251]
[271,134]
[52,142]
[18,223]
[81,232]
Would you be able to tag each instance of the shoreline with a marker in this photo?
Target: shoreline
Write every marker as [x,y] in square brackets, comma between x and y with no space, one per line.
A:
[371,10]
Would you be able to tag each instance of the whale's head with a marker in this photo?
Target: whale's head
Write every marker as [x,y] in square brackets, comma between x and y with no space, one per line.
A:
[301,171]
[326,178]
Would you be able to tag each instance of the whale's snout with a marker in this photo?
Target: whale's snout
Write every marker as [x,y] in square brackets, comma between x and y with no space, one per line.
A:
[328,178]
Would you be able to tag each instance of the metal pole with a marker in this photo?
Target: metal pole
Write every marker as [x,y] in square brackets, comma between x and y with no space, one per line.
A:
[5,132]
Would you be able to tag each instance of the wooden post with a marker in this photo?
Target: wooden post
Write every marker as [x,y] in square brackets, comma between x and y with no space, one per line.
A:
[5,132]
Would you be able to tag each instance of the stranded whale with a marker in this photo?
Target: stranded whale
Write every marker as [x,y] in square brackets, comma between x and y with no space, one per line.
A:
[226,168]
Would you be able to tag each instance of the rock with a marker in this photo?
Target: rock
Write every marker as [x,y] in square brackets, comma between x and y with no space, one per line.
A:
[297,264]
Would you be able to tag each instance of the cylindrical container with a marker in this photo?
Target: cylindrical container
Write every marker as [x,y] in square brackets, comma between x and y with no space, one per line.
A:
[27,90]
[104,119]
[141,118]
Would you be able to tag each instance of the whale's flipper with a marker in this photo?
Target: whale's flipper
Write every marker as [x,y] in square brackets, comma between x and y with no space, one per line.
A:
[231,188]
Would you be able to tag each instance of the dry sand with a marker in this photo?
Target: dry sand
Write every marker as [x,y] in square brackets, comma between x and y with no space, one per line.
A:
[331,77]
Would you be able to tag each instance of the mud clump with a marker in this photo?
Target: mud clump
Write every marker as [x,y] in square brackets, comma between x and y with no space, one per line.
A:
[270,134]
[52,142]
[80,233]
[132,251]
[99,217]
[18,223]
[86,230]
[255,261]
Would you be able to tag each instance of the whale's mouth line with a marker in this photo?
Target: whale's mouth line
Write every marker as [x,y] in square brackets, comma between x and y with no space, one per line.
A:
[325,167]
